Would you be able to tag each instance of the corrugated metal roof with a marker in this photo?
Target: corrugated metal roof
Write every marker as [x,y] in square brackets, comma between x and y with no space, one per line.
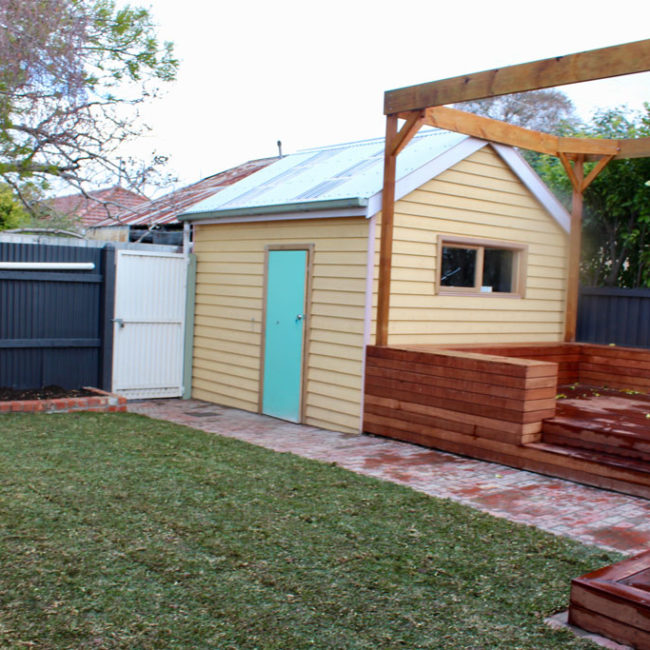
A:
[165,209]
[345,171]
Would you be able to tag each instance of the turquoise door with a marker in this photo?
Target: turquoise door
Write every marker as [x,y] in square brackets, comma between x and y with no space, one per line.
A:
[284,333]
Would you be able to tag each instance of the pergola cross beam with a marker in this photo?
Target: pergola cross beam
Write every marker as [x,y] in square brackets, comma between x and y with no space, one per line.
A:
[424,104]
[548,73]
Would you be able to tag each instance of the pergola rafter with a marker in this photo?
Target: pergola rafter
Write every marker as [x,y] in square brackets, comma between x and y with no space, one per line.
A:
[486,128]
[424,104]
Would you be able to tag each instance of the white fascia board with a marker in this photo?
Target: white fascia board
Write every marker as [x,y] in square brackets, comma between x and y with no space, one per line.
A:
[287,216]
[433,168]
[535,184]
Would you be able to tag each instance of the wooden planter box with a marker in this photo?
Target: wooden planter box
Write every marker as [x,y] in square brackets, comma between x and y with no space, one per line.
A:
[615,602]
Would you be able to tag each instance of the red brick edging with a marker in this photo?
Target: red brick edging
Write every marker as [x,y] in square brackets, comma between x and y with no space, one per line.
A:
[100,402]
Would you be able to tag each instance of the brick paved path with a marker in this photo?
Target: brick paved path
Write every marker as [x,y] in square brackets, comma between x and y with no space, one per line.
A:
[590,515]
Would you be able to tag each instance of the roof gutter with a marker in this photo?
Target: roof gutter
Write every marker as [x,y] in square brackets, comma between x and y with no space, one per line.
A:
[308,206]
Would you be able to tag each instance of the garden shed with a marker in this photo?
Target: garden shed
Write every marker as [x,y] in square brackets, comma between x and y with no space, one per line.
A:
[288,262]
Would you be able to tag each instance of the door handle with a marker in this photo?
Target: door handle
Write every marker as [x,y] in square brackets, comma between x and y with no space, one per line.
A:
[119,321]
[300,317]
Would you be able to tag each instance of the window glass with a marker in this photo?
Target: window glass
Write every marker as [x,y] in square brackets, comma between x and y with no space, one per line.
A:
[481,267]
[458,267]
[497,269]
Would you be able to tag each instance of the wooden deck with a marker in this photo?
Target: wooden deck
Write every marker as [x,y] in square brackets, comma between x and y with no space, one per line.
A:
[479,403]
[603,420]
[615,601]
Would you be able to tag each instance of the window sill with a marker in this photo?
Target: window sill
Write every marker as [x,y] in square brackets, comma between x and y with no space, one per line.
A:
[479,294]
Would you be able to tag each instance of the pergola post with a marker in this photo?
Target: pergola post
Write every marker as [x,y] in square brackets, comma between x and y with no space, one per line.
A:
[575,239]
[425,103]
[386,240]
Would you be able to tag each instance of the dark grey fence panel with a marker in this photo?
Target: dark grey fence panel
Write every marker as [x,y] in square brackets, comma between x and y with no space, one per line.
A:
[106,313]
[53,323]
[620,316]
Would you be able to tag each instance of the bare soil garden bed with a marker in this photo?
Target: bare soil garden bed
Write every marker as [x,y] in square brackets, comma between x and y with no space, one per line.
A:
[46,392]
[54,399]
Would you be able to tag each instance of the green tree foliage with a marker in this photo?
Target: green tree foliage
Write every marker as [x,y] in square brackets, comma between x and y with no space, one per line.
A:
[616,215]
[12,212]
[72,75]
[616,212]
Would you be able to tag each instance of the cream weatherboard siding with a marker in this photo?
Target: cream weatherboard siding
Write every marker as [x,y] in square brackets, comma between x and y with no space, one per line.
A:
[479,197]
[229,305]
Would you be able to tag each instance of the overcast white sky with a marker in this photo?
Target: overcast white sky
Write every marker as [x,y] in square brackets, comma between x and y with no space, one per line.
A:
[314,73]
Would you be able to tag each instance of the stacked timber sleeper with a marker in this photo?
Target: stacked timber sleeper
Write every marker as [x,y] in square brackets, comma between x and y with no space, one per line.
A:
[458,397]
[487,407]
[584,363]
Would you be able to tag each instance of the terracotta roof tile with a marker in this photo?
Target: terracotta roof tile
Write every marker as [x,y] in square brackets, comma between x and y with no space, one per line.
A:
[98,204]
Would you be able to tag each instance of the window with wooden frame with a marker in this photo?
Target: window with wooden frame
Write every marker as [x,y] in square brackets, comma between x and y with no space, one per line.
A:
[481,267]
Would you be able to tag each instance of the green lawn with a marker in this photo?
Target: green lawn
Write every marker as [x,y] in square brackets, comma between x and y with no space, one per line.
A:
[117,531]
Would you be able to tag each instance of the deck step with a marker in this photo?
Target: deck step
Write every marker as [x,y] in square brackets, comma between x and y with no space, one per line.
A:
[632,465]
[603,435]
[613,422]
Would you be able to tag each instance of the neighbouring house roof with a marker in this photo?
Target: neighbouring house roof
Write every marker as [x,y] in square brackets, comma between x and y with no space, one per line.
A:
[347,180]
[98,204]
[164,210]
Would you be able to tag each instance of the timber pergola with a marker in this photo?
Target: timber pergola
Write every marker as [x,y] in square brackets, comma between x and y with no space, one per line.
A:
[425,104]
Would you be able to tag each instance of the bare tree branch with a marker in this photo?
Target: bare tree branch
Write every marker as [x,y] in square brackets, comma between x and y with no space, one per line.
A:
[72,75]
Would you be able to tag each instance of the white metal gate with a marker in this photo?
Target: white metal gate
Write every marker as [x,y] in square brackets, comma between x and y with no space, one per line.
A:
[149,323]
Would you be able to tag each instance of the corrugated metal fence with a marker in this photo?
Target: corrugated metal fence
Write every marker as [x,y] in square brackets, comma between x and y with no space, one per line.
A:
[56,325]
[620,316]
